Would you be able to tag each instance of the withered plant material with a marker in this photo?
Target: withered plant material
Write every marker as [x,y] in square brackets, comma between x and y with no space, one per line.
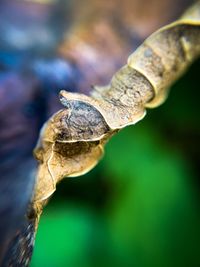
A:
[71,142]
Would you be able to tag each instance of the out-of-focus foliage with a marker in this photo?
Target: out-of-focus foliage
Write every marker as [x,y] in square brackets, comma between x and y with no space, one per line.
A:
[140,206]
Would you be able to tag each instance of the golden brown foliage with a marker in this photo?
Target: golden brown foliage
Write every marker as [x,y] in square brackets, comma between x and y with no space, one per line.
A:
[72,140]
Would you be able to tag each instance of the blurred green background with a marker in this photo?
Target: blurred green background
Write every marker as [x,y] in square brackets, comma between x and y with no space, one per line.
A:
[140,205]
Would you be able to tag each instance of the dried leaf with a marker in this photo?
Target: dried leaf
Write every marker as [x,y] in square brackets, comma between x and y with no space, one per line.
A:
[71,142]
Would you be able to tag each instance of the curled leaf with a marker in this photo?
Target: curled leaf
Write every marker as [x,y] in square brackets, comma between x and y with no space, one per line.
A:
[72,140]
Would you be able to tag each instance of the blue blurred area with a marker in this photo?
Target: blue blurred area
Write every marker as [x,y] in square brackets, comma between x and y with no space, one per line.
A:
[34,26]
[29,34]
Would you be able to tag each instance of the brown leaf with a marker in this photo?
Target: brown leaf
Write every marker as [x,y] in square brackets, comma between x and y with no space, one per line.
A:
[71,142]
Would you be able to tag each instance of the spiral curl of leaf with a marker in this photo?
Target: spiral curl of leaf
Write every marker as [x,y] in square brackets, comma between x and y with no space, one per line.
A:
[72,140]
